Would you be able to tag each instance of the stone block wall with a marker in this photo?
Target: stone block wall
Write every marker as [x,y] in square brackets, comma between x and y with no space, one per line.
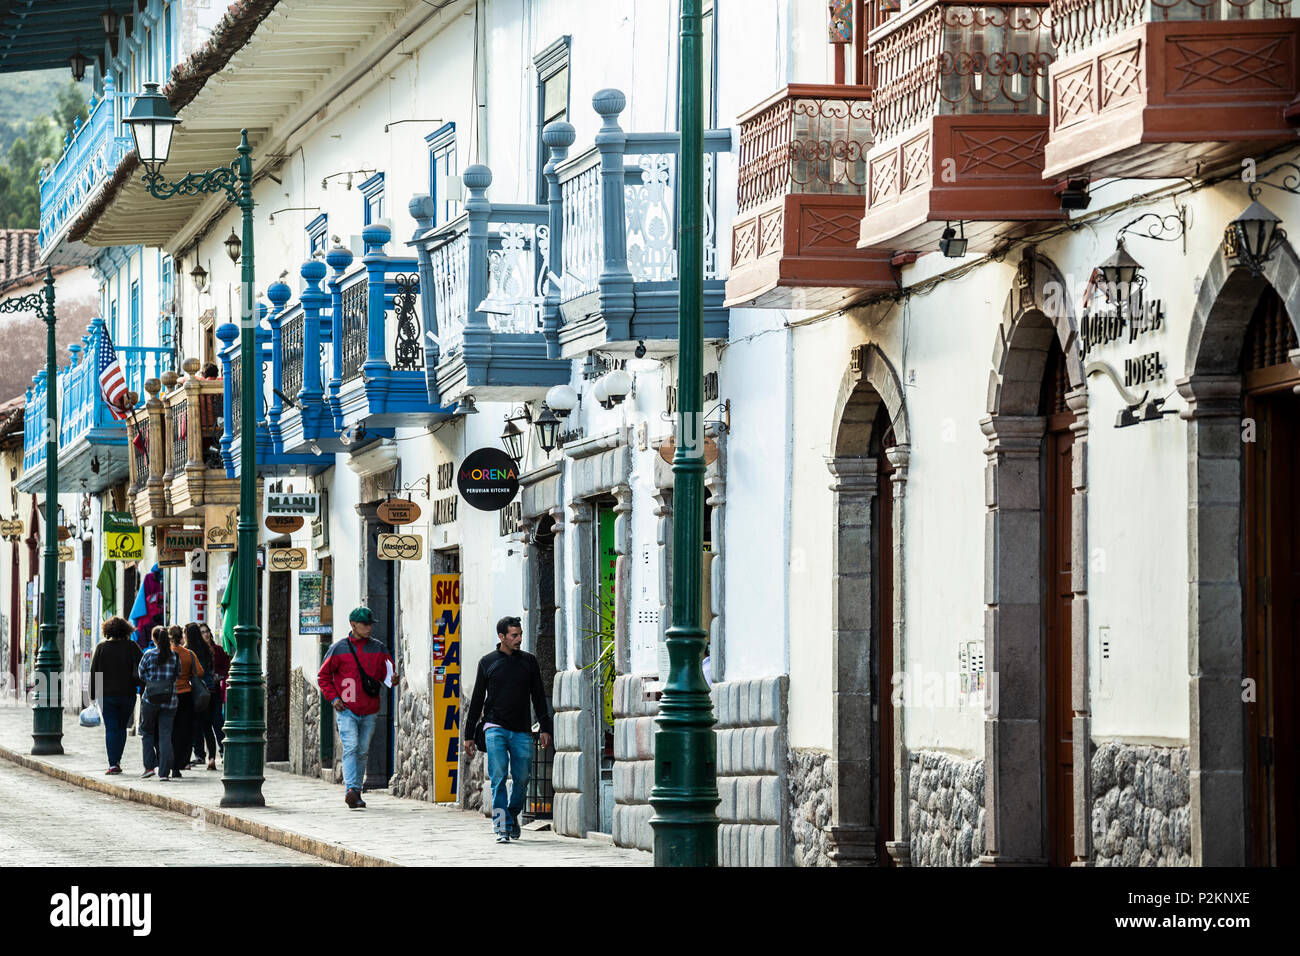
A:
[412,771]
[570,770]
[1141,810]
[634,768]
[946,809]
[304,725]
[472,784]
[809,788]
[752,769]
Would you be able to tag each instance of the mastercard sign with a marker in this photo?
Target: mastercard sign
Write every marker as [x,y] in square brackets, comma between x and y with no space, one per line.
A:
[488,479]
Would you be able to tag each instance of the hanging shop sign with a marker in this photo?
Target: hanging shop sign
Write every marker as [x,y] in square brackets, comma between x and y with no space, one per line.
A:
[446,685]
[284,524]
[669,448]
[314,603]
[398,511]
[64,532]
[11,530]
[172,559]
[401,547]
[66,552]
[219,527]
[488,479]
[287,559]
[123,538]
[1141,318]
[182,539]
[306,506]
[199,600]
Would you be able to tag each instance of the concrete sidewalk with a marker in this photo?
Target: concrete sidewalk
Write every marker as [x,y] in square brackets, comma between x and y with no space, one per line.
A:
[307,814]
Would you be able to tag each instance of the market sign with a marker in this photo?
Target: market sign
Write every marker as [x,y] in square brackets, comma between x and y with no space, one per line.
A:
[182,539]
[219,527]
[66,552]
[307,506]
[287,559]
[401,547]
[399,511]
[284,524]
[123,538]
[446,685]
[488,479]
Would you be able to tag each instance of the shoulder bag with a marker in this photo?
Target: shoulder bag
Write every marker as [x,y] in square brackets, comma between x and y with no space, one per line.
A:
[202,696]
[369,684]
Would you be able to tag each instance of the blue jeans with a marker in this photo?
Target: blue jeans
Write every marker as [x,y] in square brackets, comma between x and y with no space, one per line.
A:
[512,749]
[117,716]
[354,733]
[156,736]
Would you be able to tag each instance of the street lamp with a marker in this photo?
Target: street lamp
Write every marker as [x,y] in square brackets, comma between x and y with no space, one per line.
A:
[1253,236]
[233,245]
[1119,272]
[685,794]
[151,121]
[47,715]
[547,427]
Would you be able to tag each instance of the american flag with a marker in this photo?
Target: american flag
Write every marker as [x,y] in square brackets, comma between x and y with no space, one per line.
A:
[112,381]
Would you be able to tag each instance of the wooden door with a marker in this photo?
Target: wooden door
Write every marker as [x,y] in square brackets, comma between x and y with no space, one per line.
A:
[1058,449]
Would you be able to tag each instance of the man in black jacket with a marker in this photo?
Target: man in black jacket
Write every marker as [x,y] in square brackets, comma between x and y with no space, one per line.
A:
[507,678]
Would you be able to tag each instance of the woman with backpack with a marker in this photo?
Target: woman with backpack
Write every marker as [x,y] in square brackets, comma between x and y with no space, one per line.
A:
[205,739]
[157,672]
[188,688]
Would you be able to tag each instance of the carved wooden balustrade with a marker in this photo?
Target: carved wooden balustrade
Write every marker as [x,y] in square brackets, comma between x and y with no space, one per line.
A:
[803,176]
[960,117]
[1168,88]
[192,415]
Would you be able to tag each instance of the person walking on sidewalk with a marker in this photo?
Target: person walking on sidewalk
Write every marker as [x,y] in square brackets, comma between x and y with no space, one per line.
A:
[506,680]
[183,725]
[113,683]
[352,677]
[205,740]
[157,672]
[217,708]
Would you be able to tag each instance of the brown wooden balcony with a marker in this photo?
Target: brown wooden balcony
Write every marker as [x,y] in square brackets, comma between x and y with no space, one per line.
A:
[147,489]
[803,165]
[1167,88]
[960,117]
[195,474]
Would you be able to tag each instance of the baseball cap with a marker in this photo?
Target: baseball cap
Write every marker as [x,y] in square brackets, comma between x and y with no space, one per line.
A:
[361,615]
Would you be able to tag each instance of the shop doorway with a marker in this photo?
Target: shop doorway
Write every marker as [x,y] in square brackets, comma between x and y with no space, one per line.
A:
[543,640]
[379,593]
[278,655]
[1058,451]
[604,669]
[882,651]
[1272,598]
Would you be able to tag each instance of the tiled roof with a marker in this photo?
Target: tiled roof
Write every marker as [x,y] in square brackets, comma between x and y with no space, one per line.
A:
[11,421]
[235,28]
[18,252]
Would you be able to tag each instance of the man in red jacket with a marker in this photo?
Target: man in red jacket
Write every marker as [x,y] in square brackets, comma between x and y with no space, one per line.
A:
[352,677]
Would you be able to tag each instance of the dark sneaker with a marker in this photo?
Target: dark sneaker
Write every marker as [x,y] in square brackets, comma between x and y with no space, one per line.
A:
[361,804]
[503,837]
[176,774]
[515,832]
[162,779]
[352,798]
[147,774]
[112,770]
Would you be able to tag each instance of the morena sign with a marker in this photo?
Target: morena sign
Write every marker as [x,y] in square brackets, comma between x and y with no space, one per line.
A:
[488,479]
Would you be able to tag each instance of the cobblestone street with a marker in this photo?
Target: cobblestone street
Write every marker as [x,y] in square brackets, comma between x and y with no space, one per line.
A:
[80,808]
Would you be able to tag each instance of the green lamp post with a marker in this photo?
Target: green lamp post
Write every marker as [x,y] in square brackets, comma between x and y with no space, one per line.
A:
[47,716]
[685,794]
[151,121]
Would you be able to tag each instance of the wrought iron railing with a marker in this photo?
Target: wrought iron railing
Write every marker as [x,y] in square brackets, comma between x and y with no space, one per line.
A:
[945,58]
[177,425]
[236,392]
[139,452]
[407,354]
[292,331]
[807,139]
[91,154]
[355,297]
[1079,24]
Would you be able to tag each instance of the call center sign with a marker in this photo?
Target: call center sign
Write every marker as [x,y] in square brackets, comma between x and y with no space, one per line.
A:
[488,479]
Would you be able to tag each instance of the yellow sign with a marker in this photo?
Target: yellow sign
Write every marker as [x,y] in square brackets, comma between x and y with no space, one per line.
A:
[66,553]
[219,527]
[286,559]
[446,685]
[400,547]
[123,541]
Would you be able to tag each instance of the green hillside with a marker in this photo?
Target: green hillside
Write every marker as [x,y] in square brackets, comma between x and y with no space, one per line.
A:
[24,96]
[36,111]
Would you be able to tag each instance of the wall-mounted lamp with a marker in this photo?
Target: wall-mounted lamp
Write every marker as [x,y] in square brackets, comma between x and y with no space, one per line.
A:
[466,406]
[562,400]
[199,276]
[233,245]
[513,437]
[352,435]
[83,518]
[348,173]
[618,385]
[1253,237]
[388,126]
[271,218]
[78,63]
[1073,194]
[547,427]
[951,244]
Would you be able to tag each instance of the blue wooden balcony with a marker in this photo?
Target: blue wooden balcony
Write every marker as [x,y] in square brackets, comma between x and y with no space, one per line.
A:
[91,154]
[377,355]
[92,443]
[614,234]
[484,278]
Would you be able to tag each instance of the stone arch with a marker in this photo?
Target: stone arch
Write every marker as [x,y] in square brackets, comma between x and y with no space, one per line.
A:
[869,384]
[1214,391]
[1037,312]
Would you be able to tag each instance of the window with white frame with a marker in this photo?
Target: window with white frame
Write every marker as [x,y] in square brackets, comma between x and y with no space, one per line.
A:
[442,173]
[316,232]
[372,193]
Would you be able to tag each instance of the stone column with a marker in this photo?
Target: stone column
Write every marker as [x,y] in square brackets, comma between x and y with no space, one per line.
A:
[1013,652]
[852,830]
[582,687]
[622,577]
[899,848]
[1081,723]
[561,619]
[716,486]
[1216,641]
[664,538]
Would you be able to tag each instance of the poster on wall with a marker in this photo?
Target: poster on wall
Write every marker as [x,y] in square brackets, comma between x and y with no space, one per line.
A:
[123,538]
[219,527]
[446,685]
[313,600]
[87,633]
[199,601]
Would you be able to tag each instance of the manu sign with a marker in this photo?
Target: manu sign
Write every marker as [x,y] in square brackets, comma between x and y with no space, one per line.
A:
[308,506]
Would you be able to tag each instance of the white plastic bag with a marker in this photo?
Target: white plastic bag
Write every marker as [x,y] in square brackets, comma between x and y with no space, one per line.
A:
[90,716]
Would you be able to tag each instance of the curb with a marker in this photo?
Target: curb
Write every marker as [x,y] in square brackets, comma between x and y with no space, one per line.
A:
[331,852]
